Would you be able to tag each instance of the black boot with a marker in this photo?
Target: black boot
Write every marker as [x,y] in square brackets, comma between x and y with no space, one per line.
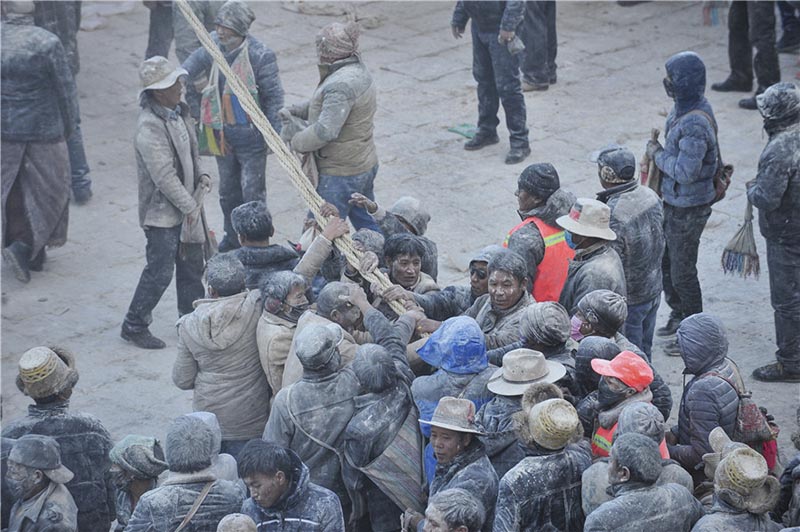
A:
[775,373]
[143,339]
[517,154]
[481,140]
[18,256]
[670,327]
[732,85]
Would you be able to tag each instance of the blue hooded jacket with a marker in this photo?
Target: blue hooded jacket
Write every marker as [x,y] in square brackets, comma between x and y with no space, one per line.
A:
[689,158]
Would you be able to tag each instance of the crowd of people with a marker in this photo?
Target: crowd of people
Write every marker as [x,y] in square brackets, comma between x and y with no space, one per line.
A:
[524,400]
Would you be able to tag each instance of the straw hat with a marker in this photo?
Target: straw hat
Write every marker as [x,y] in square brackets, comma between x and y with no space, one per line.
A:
[742,479]
[521,368]
[588,217]
[553,423]
[45,371]
[158,73]
[722,446]
[454,414]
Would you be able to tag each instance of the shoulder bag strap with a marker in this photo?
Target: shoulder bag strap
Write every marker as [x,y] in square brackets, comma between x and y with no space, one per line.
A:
[196,506]
[301,429]
[714,127]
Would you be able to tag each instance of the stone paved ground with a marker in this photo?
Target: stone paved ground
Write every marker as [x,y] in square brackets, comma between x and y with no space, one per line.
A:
[609,89]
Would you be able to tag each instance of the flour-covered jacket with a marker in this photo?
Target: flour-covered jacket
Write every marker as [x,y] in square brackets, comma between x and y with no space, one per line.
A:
[527,241]
[341,120]
[722,517]
[543,491]
[50,510]
[305,507]
[594,268]
[495,419]
[501,327]
[167,162]
[163,509]
[218,359]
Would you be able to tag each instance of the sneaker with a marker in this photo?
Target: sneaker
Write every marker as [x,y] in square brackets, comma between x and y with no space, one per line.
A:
[775,372]
[788,43]
[670,328]
[143,339]
[17,255]
[228,244]
[732,85]
[672,349]
[481,141]
[534,86]
[81,196]
[518,154]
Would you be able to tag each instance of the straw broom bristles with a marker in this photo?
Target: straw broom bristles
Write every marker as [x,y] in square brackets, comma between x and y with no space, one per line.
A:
[740,255]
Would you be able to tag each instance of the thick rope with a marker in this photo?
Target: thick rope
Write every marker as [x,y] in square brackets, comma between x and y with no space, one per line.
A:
[281,151]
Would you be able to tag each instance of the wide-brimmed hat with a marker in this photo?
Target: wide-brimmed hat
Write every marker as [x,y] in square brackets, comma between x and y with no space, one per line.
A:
[521,368]
[722,445]
[553,423]
[158,73]
[41,452]
[45,371]
[454,414]
[588,217]
[743,477]
[628,367]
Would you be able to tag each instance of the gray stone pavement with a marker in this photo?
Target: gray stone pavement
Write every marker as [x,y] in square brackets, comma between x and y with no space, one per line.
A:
[609,89]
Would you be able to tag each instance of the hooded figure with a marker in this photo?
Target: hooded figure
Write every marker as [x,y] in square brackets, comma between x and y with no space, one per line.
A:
[639,503]
[711,398]
[776,194]
[458,350]
[639,418]
[543,491]
[538,239]
[688,161]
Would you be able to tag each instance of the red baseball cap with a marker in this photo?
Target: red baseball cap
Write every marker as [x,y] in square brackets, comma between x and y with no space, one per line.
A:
[628,367]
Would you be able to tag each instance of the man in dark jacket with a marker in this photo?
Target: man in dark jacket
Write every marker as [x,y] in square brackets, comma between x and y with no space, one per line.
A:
[596,265]
[538,239]
[252,223]
[39,108]
[227,130]
[711,398]
[688,161]
[751,25]
[281,495]
[637,218]
[543,491]
[189,452]
[84,441]
[776,194]
[639,503]
[496,69]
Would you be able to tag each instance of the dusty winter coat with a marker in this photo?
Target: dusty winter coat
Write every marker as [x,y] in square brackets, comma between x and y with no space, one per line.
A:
[637,218]
[166,179]
[446,303]
[723,517]
[259,262]
[265,70]
[218,359]
[495,420]
[51,510]
[594,268]
[322,405]
[527,241]
[689,158]
[489,16]
[594,483]
[306,507]
[708,401]
[85,444]
[293,370]
[471,471]
[637,507]
[501,327]
[341,121]
[163,509]
[776,191]
[543,491]
[64,20]
[38,99]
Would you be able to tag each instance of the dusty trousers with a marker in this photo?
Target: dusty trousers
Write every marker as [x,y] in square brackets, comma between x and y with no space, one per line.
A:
[784,288]
[682,229]
[541,42]
[752,25]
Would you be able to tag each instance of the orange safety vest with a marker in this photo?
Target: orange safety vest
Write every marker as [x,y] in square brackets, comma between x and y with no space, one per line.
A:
[551,274]
[602,438]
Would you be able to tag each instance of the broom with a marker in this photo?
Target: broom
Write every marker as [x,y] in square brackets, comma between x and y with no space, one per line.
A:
[740,255]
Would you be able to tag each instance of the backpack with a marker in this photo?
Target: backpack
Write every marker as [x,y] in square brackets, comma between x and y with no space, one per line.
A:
[722,177]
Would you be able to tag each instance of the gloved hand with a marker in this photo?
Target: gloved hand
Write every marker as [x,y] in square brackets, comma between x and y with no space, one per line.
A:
[653,147]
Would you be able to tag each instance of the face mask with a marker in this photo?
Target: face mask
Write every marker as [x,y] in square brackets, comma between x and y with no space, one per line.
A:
[669,88]
[606,397]
[568,239]
[295,312]
[575,328]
